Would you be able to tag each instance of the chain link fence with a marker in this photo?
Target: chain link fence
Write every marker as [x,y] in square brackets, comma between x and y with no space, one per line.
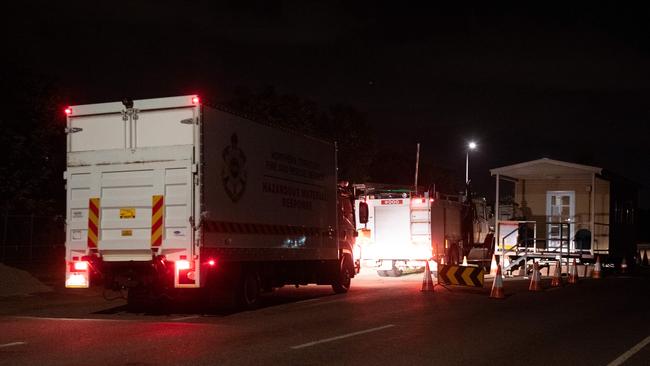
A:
[31,238]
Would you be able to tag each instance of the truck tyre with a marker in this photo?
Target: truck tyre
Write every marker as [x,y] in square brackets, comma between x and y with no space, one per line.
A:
[382,273]
[248,296]
[342,283]
[395,272]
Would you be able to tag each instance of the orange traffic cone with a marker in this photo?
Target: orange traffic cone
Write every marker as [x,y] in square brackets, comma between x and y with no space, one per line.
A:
[497,285]
[535,279]
[465,260]
[596,272]
[557,277]
[493,266]
[623,266]
[573,273]
[427,281]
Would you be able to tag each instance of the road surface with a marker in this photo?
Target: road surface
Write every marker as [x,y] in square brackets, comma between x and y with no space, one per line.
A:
[380,321]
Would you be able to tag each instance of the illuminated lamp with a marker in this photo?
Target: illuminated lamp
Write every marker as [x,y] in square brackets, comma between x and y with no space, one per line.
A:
[182,264]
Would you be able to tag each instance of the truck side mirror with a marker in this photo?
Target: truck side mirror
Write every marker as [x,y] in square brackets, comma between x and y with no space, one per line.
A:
[363,212]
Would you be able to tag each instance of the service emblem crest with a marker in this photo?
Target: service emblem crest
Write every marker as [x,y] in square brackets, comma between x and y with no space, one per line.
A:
[233,172]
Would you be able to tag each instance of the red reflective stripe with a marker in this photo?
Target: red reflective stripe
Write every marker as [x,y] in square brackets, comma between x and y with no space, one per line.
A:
[92,227]
[156,226]
[158,205]
[93,208]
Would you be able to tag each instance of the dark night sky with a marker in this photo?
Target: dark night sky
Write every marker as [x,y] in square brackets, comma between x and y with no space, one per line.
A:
[569,83]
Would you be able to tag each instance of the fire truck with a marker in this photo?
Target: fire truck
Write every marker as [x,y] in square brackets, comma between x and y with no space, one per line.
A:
[404,228]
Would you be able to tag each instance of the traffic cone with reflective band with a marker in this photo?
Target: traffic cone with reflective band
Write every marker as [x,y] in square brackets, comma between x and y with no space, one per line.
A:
[596,272]
[645,258]
[535,279]
[573,273]
[427,281]
[493,266]
[497,285]
[465,260]
[557,276]
[623,266]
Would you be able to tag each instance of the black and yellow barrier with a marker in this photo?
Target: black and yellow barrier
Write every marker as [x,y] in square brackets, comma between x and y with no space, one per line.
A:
[460,275]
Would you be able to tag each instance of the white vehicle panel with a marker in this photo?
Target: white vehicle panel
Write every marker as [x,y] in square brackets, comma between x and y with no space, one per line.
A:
[268,189]
[164,128]
[101,132]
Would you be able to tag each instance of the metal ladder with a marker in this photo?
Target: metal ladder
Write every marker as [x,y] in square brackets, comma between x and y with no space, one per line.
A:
[420,217]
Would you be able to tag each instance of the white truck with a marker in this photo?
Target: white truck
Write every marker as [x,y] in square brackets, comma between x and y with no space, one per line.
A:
[404,229]
[168,196]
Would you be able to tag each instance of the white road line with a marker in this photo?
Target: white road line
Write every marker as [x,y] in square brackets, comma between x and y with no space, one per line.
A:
[622,358]
[341,336]
[12,344]
[186,318]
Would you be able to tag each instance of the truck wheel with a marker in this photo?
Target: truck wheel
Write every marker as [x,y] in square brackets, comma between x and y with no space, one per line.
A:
[382,273]
[395,272]
[249,291]
[342,284]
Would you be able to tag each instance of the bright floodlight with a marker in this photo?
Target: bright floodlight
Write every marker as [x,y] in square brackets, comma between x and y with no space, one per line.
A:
[472,145]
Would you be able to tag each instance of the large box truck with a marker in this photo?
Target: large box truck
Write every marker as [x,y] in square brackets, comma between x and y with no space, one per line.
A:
[169,196]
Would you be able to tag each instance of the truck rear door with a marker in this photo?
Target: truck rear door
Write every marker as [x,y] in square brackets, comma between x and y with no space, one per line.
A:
[130,179]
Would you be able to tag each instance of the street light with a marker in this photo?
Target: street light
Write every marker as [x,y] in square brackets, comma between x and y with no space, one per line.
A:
[471,146]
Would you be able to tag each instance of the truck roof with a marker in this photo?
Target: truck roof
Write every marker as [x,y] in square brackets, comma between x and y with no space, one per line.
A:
[144,104]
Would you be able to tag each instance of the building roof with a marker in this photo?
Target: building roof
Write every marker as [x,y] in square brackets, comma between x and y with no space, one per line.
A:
[547,169]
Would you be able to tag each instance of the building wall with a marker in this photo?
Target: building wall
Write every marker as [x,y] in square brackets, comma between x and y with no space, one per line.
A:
[531,196]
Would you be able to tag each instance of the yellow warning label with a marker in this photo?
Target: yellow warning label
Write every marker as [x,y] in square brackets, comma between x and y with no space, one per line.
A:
[127,213]
[127,232]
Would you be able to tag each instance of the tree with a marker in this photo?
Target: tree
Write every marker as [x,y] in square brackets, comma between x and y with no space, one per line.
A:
[32,145]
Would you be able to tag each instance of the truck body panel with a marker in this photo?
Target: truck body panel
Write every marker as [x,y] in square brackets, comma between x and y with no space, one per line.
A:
[169,185]
[268,190]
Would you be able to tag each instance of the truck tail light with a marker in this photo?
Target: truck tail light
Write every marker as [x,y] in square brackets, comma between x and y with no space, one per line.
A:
[81,266]
[68,111]
[196,100]
[182,264]
[212,262]
[77,275]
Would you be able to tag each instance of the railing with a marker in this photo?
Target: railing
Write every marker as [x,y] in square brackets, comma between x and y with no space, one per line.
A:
[31,238]
[526,245]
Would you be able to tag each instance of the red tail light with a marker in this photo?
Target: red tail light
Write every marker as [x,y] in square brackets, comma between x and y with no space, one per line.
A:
[196,100]
[212,262]
[68,111]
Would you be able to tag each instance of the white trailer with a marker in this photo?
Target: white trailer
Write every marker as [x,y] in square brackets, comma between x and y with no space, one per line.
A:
[167,194]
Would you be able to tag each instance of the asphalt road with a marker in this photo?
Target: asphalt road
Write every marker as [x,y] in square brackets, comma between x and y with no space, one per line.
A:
[380,321]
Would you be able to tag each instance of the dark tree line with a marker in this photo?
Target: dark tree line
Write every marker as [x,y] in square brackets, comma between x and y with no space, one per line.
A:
[32,145]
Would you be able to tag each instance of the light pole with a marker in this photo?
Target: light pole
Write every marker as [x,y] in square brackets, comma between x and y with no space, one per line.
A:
[471,146]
